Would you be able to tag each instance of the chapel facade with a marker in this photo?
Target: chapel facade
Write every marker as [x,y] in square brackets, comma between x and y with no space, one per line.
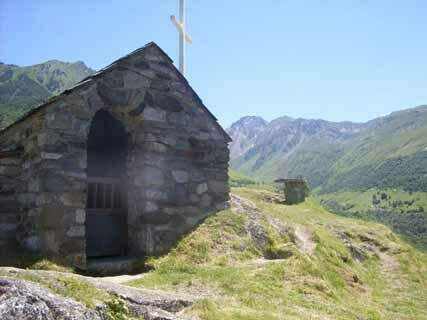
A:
[122,164]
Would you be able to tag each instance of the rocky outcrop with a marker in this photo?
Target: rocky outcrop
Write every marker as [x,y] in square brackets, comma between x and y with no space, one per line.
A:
[19,297]
[25,300]
[258,225]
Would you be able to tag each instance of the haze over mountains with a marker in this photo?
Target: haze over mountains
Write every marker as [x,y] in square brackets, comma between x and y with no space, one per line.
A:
[386,152]
[23,87]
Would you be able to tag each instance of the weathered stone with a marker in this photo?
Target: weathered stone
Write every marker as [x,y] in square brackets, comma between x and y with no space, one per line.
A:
[180,176]
[206,200]
[194,198]
[142,64]
[50,156]
[179,118]
[173,161]
[202,188]
[60,121]
[51,217]
[150,207]
[169,103]
[156,195]
[133,80]
[25,300]
[155,147]
[80,216]
[112,97]
[76,232]
[32,243]
[218,186]
[160,85]
[74,199]
[154,114]
[153,177]
[138,110]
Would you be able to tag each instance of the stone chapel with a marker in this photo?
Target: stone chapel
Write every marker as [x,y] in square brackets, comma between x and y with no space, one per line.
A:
[121,165]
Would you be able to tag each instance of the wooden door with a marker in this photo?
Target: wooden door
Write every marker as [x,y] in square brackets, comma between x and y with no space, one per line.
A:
[106,231]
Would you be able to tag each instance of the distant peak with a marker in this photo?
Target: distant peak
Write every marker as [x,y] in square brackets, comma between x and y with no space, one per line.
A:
[251,119]
[248,122]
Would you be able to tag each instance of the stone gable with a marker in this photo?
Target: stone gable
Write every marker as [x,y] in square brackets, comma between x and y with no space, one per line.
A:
[174,173]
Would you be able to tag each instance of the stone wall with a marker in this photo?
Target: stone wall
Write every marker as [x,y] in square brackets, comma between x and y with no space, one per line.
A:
[176,168]
[20,163]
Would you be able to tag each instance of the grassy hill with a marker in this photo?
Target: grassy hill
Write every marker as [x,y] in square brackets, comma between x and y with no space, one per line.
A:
[391,153]
[263,260]
[23,87]
[404,212]
[312,265]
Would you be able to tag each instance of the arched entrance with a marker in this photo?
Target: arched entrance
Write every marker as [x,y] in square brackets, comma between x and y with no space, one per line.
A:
[106,227]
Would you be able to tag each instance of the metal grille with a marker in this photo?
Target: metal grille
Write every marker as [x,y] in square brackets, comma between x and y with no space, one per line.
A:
[104,193]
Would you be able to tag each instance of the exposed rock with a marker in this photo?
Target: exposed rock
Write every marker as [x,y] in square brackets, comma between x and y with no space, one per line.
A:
[27,301]
[151,304]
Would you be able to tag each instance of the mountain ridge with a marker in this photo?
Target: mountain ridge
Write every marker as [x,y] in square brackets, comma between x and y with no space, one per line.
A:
[21,88]
[326,152]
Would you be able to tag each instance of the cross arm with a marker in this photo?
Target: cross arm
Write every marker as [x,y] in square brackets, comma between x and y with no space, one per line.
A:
[180,28]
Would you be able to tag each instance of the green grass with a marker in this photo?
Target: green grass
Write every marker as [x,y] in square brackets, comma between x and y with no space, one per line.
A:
[219,262]
[66,286]
[236,179]
[404,212]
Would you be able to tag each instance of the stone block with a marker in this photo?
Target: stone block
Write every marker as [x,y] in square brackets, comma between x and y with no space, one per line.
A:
[155,147]
[180,176]
[9,170]
[154,114]
[169,103]
[74,199]
[50,155]
[59,120]
[32,243]
[152,177]
[202,188]
[50,244]
[133,80]
[155,195]
[80,216]
[52,217]
[150,207]
[76,232]
[112,97]
[218,186]
[206,201]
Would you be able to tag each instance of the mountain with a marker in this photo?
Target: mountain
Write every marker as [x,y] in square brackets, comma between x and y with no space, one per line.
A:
[23,87]
[386,152]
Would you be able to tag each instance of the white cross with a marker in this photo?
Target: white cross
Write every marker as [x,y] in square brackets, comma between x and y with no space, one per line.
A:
[183,36]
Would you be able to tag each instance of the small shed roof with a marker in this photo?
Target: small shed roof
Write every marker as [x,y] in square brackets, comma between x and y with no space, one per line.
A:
[285,180]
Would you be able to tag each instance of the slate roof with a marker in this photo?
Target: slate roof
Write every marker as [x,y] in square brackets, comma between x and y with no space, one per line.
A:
[91,78]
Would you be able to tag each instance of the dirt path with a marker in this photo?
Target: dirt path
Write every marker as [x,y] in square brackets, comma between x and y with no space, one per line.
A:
[302,235]
[304,239]
[122,279]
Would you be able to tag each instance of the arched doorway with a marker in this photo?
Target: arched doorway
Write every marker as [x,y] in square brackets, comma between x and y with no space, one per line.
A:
[106,226]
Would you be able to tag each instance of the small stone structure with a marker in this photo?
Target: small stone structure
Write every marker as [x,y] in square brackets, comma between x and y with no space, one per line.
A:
[294,189]
[122,164]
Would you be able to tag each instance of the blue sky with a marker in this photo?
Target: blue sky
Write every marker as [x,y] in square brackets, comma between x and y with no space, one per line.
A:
[336,60]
